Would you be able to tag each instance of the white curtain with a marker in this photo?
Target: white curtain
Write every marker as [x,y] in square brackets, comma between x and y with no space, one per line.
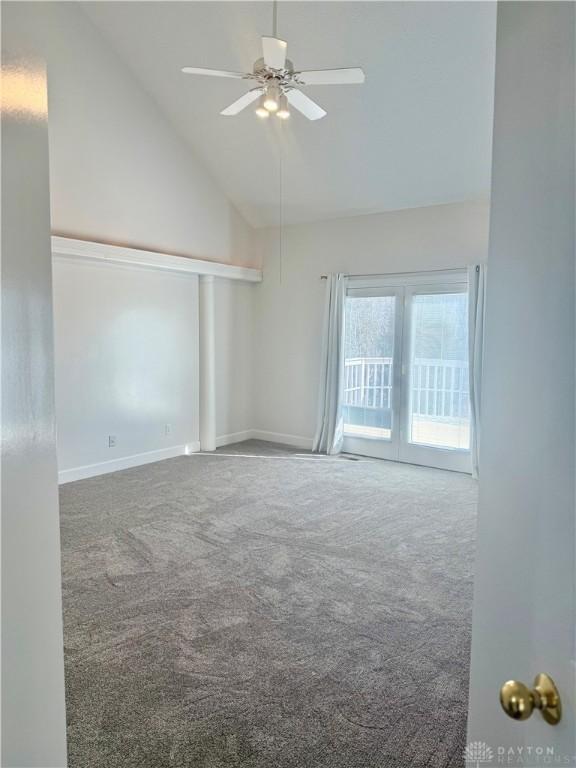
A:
[476,299]
[330,423]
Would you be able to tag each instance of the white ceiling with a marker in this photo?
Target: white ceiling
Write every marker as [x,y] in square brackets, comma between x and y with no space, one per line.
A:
[418,132]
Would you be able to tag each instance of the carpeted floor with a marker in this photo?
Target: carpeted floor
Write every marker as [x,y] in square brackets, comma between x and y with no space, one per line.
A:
[267,610]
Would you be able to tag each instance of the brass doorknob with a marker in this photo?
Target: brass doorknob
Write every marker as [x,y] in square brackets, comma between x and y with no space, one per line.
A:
[518,701]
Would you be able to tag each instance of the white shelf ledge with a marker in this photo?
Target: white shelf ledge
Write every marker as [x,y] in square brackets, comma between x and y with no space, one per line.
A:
[66,247]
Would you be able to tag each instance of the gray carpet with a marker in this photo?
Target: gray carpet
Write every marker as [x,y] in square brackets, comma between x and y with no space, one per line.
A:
[267,612]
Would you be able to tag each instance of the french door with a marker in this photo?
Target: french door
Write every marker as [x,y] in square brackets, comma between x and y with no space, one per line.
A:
[406,395]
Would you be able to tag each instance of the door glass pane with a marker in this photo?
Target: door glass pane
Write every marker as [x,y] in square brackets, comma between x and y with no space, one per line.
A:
[368,372]
[439,406]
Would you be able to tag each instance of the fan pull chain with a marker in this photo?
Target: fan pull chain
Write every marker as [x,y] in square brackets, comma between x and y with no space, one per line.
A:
[281,203]
[280,166]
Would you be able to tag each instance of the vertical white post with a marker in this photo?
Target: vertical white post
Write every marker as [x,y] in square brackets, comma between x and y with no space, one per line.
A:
[207,364]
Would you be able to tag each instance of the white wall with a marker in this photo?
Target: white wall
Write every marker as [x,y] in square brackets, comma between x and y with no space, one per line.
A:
[289,311]
[119,172]
[234,358]
[33,714]
[126,364]
[524,601]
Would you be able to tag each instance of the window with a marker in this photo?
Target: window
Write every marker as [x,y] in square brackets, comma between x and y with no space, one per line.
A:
[369,365]
[439,397]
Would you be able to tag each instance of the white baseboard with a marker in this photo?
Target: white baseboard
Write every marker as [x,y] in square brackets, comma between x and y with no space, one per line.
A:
[127,462]
[234,437]
[138,459]
[278,437]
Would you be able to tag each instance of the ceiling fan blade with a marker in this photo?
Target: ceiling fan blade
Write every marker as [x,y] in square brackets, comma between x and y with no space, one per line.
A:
[241,103]
[303,104]
[212,72]
[274,51]
[349,76]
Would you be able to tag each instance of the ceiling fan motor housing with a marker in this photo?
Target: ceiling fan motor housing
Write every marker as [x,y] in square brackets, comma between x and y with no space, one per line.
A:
[262,71]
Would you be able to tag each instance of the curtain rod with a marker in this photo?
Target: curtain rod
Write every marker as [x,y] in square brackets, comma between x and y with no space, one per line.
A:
[392,274]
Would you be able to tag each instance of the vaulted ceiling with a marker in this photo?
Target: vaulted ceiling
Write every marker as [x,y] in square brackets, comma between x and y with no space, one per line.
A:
[418,132]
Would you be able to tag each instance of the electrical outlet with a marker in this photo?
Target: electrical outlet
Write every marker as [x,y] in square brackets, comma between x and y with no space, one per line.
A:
[111,441]
[167,429]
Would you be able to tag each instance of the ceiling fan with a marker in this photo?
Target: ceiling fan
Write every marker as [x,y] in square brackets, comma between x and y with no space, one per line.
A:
[278,83]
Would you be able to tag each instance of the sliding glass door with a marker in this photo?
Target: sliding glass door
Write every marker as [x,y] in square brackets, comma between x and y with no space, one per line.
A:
[406,370]
[372,376]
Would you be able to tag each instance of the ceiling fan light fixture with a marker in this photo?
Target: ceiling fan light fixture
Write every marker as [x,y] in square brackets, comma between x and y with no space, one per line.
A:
[283,111]
[261,110]
[271,98]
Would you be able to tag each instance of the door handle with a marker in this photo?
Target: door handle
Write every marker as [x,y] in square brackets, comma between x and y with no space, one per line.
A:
[519,701]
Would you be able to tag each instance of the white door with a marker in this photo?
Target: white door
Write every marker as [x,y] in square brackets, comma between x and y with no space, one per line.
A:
[33,695]
[435,414]
[524,604]
[406,394]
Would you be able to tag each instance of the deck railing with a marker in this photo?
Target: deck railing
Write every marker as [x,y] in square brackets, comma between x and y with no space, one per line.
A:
[438,388]
[368,382]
